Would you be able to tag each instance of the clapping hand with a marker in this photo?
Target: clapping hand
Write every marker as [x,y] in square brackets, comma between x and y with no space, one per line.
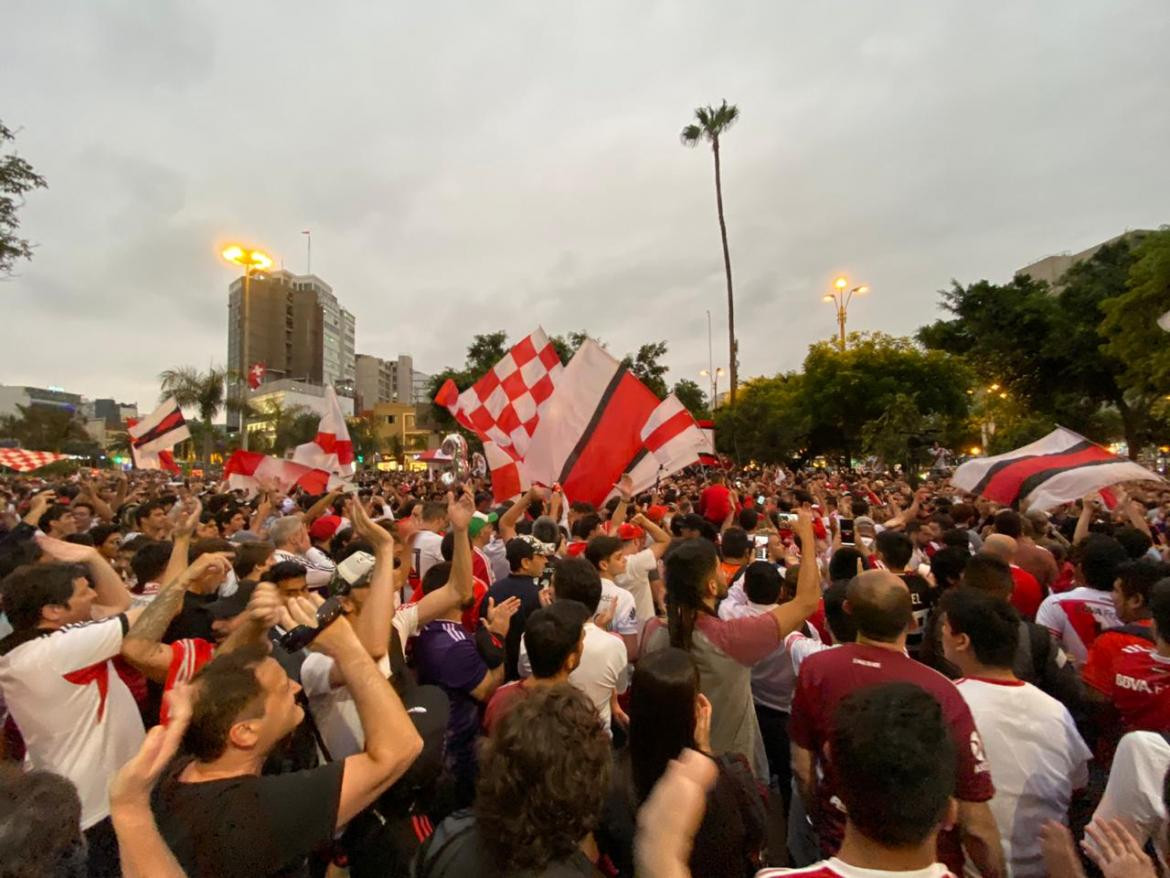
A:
[499,616]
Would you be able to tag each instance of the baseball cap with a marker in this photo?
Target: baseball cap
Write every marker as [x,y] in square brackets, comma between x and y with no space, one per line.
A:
[353,572]
[324,527]
[656,513]
[233,604]
[629,532]
[538,547]
[479,521]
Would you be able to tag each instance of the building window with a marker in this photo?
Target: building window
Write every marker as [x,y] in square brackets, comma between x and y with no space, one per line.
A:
[390,419]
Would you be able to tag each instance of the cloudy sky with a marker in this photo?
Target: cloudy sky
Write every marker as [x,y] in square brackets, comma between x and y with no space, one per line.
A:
[466,167]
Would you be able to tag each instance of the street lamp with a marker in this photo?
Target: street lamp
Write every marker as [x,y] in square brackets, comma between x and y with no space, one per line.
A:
[714,376]
[840,297]
[251,260]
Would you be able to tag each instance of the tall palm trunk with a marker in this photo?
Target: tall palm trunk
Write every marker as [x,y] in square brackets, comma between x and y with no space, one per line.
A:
[731,345]
[207,439]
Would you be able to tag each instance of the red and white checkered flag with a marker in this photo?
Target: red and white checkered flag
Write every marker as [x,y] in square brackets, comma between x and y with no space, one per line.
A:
[504,406]
[26,461]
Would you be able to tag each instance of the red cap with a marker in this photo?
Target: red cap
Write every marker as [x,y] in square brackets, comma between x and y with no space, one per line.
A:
[324,527]
[629,532]
[656,513]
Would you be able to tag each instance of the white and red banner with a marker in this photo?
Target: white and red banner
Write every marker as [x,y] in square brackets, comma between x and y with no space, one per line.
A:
[247,469]
[26,461]
[151,459]
[1060,468]
[161,430]
[256,373]
[332,450]
[593,422]
[708,457]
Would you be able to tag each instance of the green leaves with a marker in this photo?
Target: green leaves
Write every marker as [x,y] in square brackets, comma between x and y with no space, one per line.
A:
[17,178]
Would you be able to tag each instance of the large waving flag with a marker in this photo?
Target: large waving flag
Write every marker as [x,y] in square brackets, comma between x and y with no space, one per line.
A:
[26,461]
[1060,468]
[150,459]
[671,440]
[247,469]
[331,450]
[505,405]
[161,430]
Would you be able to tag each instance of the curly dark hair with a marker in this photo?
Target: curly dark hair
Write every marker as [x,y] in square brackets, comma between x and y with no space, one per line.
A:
[543,779]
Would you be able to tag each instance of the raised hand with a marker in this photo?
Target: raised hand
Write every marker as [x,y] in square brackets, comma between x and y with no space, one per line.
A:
[499,616]
[264,606]
[460,511]
[190,521]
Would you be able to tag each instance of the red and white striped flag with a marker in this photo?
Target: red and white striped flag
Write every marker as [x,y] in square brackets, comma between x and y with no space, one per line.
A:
[332,450]
[671,440]
[246,469]
[1060,468]
[161,430]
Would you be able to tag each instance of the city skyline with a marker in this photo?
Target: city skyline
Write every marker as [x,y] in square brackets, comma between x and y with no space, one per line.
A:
[541,179]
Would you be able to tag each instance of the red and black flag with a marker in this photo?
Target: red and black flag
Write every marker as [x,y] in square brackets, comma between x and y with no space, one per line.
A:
[1060,468]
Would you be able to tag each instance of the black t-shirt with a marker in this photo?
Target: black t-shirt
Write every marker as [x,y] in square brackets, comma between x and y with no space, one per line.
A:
[192,620]
[923,598]
[525,588]
[248,826]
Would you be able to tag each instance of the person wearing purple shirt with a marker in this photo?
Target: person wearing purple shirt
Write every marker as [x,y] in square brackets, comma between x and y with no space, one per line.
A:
[469,668]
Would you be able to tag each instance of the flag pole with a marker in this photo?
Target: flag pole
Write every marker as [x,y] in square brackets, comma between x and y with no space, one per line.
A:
[308,251]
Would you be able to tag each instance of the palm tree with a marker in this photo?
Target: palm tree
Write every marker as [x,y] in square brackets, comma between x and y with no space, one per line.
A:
[713,122]
[281,421]
[205,391]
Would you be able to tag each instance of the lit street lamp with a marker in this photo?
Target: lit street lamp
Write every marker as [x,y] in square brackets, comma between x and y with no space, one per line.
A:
[840,296]
[251,261]
[714,376]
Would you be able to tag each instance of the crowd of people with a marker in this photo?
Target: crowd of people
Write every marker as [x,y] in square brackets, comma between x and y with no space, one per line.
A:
[742,672]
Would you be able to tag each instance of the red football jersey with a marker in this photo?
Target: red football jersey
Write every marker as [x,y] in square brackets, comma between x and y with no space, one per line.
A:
[1141,689]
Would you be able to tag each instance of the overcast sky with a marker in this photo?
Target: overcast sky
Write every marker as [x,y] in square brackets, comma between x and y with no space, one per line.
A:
[467,167]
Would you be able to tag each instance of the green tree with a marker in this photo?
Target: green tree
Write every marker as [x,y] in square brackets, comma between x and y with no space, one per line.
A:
[645,365]
[567,345]
[713,123]
[203,391]
[280,423]
[843,391]
[364,437]
[1132,335]
[768,424]
[44,428]
[691,395]
[17,178]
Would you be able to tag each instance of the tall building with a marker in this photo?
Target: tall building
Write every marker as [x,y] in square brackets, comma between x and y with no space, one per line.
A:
[12,396]
[383,381]
[420,383]
[1051,269]
[296,328]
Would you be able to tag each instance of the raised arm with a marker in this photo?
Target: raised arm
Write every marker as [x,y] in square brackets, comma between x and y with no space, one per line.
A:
[1086,517]
[660,536]
[791,615]
[320,507]
[507,522]
[372,626]
[142,646]
[625,486]
[180,551]
[391,741]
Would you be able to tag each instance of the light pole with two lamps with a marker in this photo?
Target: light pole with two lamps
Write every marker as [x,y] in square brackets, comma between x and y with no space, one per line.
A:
[714,375]
[840,296]
[251,260]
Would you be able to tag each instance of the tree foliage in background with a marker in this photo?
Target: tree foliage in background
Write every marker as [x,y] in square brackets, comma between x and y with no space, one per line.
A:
[45,428]
[646,366]
[691,395]
[767,423]
[1134,338]
[1051,349]
[17,178]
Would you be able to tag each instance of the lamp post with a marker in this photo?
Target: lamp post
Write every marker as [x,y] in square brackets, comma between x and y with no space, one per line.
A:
[713,374]
[840,297]
[251,260]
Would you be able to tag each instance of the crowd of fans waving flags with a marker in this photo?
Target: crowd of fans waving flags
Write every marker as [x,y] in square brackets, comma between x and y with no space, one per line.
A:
[605,656]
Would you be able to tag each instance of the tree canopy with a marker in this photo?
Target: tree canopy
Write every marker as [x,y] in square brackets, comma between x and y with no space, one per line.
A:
[17,179]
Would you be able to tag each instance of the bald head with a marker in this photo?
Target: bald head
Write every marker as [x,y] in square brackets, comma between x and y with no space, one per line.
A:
[1000,546]
[880,605]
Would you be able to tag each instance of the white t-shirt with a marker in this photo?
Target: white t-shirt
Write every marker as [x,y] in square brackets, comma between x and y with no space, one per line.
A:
[603,669]
[1076,617]
[834,868]
[319,568]
[800,646]
[625,614]
[75,714]
[636,580]
[334,710]
[1134,792]
[1037,759]
[425,551]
